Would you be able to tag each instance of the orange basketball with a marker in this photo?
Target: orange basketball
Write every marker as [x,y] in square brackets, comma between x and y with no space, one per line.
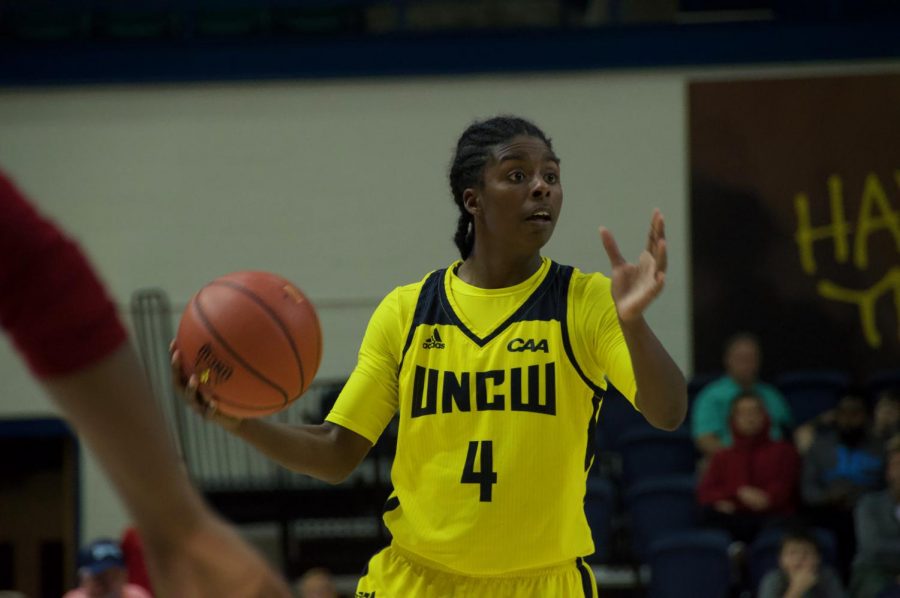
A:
[253,340]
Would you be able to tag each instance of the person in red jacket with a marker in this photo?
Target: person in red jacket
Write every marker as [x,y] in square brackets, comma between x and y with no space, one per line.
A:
[135,562]
[753,483]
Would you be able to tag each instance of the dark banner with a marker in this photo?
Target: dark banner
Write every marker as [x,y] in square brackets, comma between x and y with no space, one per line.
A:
[795,220]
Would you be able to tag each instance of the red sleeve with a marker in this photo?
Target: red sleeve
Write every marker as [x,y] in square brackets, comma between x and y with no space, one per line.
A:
[713,485]
[52,303]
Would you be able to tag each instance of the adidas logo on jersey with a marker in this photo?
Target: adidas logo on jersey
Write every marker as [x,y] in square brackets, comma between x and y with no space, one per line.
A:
[365,595]
[434,341]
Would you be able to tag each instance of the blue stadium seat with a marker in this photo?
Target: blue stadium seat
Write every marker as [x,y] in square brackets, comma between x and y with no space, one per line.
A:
[690,564]
[600,510]
[882,380]
[812,392]
[762,555]
[653,453]
[695,384]
[617,416]
[658,507]
[698,381]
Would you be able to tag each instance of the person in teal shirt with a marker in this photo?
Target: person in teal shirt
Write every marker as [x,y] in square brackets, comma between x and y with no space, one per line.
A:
[709,416]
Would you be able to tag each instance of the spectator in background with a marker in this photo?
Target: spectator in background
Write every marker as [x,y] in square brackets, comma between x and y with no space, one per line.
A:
[886,416]
[102,573]
[316,583]
[877,515]
[800,573]
[842,464]
[710,413]
[885,420]
[753,482]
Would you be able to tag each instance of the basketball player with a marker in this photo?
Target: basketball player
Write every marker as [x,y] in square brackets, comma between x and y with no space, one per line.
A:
[66,328]
[496,367]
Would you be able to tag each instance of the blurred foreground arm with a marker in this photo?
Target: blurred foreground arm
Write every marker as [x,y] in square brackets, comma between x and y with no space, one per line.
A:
[66,328]
[191,552]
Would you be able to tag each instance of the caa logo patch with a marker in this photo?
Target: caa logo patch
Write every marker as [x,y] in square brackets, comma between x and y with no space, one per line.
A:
[517,345]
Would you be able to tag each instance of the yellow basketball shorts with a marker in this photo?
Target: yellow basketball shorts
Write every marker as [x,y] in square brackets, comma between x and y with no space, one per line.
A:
[395,573]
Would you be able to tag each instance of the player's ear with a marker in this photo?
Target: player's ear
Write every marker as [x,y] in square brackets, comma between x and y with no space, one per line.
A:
[471,201]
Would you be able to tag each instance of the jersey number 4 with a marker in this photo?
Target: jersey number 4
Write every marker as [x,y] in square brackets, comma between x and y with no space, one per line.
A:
[487,477]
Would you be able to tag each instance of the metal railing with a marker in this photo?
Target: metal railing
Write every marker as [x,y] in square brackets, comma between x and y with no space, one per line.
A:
[216,460]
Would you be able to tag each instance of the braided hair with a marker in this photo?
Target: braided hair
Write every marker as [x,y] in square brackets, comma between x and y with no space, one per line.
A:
[473,150]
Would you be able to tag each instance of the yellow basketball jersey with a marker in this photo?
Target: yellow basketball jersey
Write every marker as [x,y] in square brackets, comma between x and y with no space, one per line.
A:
[495,433]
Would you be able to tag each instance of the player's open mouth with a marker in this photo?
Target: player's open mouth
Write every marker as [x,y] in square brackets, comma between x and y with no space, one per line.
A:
[540,215]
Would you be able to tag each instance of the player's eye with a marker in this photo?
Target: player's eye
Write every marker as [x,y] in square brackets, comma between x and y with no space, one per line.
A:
[516,176]
[552,178]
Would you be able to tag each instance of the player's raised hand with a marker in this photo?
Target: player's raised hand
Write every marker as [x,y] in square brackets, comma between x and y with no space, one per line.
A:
[188,389]
[635,286]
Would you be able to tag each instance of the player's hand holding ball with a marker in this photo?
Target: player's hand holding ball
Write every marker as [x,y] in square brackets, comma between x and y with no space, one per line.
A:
[187,387]
[248,345]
